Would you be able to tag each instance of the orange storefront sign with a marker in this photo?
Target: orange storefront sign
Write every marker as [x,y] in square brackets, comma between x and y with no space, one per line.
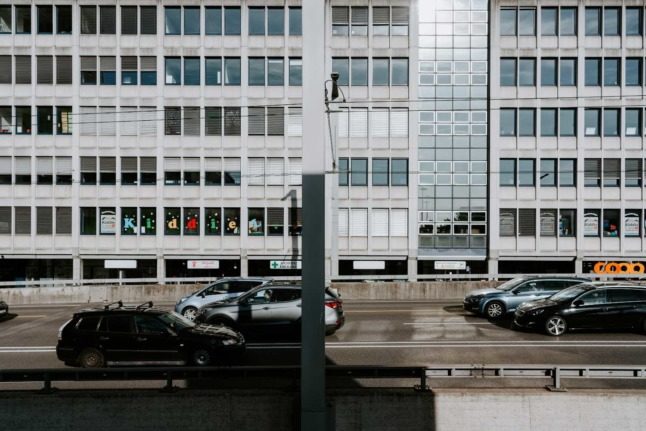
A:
[619,268]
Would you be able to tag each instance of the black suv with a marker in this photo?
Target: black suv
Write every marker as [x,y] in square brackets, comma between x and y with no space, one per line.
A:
[586,306]
[143,335]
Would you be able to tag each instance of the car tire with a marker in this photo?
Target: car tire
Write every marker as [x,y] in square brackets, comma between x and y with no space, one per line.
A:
[330,331]
[91,358]
[190,313]
[201,357]
[555,326]
[494,310]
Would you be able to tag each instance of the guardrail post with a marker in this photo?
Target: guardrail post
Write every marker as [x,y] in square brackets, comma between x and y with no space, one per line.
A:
[169,384]
[556,387]
[47,385]
[422,387]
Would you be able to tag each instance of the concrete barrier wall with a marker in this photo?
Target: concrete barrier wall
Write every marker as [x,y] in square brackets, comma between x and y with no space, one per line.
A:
[401,291]
[350,410]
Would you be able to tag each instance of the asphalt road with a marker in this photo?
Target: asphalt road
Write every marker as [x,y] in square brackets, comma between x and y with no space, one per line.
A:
[376,333]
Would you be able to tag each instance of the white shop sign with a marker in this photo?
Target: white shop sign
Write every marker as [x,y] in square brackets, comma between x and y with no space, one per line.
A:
[202,264]
[120,264]
[285,264]
[451,265]
[369,264]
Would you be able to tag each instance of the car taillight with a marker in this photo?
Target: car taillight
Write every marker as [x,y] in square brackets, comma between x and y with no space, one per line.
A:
[333,304]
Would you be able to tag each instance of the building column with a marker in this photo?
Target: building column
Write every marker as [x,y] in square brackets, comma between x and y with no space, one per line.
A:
[77,271]
[161,268]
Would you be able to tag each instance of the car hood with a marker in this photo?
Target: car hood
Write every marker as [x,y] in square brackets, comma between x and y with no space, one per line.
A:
[487,291]
[214,331]
[538,303]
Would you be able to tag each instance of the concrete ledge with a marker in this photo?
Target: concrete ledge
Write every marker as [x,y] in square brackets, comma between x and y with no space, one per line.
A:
[351,410]
[398,291]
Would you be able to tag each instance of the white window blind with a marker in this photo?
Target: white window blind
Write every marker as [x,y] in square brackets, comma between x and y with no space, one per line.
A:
[108,164]
[275,121]
[399,222]
[44,166]
[275,171]
[172,164]
[256,121]
[358,222]
[213,164]
[192,121]
[343,119]
[359,123]
[5,165]
[232,164]
[379,123]
[340,15]
[379,225]
[191,164]
[23,166]
[87,118]
[128,164]
[128,121]
[148,164]
[107,121]
[256,171]
[295,171]
[63,165]
[148,121]
[295,121]
[343,222]
[399,123]
[108,64]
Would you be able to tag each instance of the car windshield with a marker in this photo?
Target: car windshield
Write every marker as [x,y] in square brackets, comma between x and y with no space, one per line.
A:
[508,285]
[176,320]
[569,293]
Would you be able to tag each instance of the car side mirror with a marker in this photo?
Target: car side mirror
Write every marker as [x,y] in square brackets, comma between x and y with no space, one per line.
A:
[578,303]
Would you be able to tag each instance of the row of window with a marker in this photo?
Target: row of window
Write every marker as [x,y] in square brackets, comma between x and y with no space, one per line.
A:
[562,222]
[49,69]
[563,121]
[384,172]
[452,223]
[554,71]
[385,71]
[562,21]
[458,173]
[353,222]
[48,220]
[354,21]
[142,20]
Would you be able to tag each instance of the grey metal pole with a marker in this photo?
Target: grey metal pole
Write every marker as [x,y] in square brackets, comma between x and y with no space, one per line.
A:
[313,416]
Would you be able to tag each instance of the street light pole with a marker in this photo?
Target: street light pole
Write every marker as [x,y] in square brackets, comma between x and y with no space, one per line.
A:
[313,416]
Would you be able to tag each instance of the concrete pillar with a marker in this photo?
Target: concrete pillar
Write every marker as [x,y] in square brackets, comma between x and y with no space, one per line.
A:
[77,269]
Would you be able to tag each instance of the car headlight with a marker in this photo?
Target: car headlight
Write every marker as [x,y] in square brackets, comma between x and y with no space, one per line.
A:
[229,342]
[182,299]
[537,312]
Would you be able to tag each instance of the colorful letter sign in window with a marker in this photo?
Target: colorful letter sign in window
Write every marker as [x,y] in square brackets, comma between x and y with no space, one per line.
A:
[148,221]
[213,221]
[191,221]
[172,219]
[128,221]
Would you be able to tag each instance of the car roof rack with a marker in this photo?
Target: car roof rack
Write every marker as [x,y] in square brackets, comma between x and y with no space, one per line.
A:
[144,306]
[119,304]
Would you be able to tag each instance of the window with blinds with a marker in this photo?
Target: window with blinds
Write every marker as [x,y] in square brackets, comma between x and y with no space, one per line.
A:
[379,222]
[107,120]
[231,121]
[340,20]
[400,17]
[88,19]
[5,69]
[5,220]
[633,172]
[44,221]
[147,121]
[22,170]
[343,229]
[526,222]
[128,120]
[148,19]
[213,121]
[191,121]
[87,120]
[23,221]
[592,172]
[256,171]
[44,69]
[358,222]
[129,70]
[611,172]
[172,120]
[88,70]
[148,170]
[44,170]
[88,170]
[295,171]
[507,222]
[128,19]
[275,121]
[5,170]
[63,220]
[128,170]
[23,69]
[192,171]
[399,222]
[63,69]
[548,222]
[295,121]
[172,171]
[359,20]
[256,121]
[108,70]
[379,123]
[108,23]
[275,221]
[399,123]
[275,171]
[380,21]
[232,171]
[107,170]
[295,221]
[63,170]
[359,123]
[148,70]
[212,171]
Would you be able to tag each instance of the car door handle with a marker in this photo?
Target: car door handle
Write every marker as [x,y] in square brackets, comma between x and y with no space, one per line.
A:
[265,308]
[103,338]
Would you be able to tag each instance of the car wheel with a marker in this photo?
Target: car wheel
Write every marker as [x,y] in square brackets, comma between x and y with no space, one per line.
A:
[555,326]
[495,310]
[91,358]
[201,357]
[190,313]
[330,331]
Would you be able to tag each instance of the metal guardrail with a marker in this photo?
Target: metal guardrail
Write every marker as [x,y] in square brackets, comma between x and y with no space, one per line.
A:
[170,374]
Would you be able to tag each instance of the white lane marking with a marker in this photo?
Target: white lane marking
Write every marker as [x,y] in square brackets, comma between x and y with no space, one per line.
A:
[449,323]
[49,306]
[29,316]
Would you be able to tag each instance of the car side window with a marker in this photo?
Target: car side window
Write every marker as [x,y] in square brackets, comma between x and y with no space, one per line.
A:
[286,295]
[150,325]
[595,297]
[624,295]
[530,286]
[122,324]
[88,323]
[219,288]
[261,297]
